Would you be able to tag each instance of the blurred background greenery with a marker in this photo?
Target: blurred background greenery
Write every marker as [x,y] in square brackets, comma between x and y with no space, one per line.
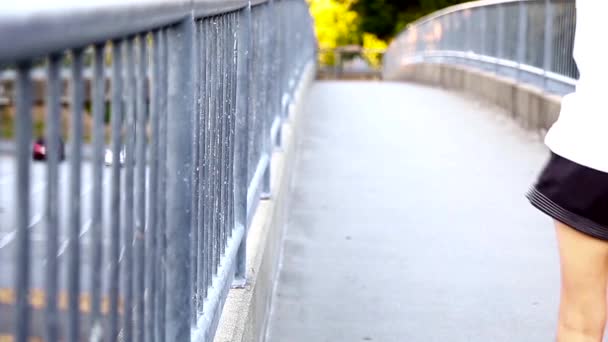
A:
[368,23]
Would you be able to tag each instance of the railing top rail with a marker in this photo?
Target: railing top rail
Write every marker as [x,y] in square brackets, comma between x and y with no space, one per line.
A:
[31,28]
[462,7]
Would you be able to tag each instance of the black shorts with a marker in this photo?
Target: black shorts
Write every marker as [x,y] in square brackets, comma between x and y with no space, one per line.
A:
[574,195]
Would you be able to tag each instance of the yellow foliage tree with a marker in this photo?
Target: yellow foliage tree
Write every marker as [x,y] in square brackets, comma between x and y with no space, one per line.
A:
[374,47]
[335,25]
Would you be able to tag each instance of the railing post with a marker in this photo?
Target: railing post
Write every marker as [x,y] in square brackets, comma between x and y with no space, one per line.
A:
[276,61]
[179,158]
[522,37]
[469,35]
[23,137]
[500,39]
[483,26]
[548,48]
[266,139]
[242,141]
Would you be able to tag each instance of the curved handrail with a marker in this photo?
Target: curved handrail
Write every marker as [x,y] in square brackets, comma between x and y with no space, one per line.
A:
[38,27]
[530,40]
[461,7]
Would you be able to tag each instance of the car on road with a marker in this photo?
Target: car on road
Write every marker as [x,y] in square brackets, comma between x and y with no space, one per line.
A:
[39,149]
[109,157]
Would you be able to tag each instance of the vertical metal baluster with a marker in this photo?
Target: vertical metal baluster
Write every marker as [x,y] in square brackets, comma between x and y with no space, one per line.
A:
[228,164]
[266,110]
[447,33]
[127,262]
[224,131]
[556,42]
[548,46]
[202,246]
[233,41]
[567,59]
[572,69]
[141,163]
[207,210]
[194,239]
[210,150]
[283,37]
[97,196]
[115,207]
[225,136]
[242,137]
[162,189]
[562,70]
[469,31]
[73,272]
[232,121]
[202,203]
[258,98]
[483,14]
[23,135]
[179,155]
[216,148]
[207,157]
[563,38]
[276,97]
[522,37]
[151,250]
[500,44]
[53,136]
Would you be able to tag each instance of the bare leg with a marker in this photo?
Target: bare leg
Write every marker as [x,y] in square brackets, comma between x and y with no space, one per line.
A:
[584,268]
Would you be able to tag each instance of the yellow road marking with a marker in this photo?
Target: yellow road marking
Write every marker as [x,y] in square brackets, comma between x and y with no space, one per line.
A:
[37,299]
[10,338]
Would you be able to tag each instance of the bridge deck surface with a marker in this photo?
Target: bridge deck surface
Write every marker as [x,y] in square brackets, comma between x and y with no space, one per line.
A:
[408,222]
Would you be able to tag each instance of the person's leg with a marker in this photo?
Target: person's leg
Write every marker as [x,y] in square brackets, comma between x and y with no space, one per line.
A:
[584,269]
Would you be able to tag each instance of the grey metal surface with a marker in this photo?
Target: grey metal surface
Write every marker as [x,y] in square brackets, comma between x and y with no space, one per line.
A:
[97,198]
[180,107]
[43,28]
[75,217]
[114,247]
[243,105]
[141,237]
[162,188]
[53,208]
[129,191]
[530,41]
[151,233]
[23,128]
[437,244]
[141,126]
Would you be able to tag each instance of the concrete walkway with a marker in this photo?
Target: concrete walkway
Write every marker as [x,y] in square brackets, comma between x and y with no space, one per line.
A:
[408,222]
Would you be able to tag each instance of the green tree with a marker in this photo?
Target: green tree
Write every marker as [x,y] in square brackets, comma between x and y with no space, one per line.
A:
[385,18]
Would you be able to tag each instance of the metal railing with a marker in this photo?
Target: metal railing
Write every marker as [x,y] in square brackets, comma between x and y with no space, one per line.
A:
[529,40]
[190,97]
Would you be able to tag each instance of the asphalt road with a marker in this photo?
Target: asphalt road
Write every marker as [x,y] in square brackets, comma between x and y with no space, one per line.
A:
[8,265]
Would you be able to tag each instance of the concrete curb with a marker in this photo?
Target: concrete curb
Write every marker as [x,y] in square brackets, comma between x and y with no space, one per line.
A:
[246,311]
[530,106]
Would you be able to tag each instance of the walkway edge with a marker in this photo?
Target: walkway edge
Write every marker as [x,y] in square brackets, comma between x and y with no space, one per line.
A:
[529,106]
[245,314]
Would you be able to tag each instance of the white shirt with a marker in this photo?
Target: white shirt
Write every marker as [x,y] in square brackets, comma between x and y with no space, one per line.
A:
[581,132]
